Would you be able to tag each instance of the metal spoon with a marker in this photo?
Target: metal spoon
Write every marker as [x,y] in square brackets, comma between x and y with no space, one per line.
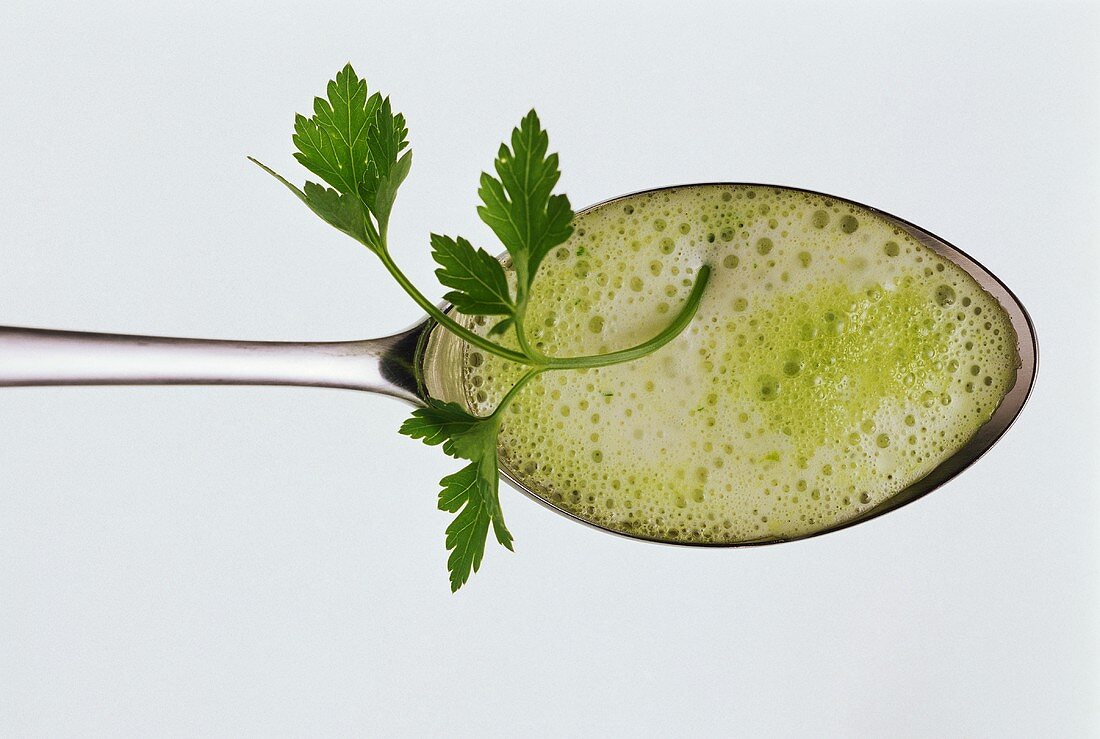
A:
[420,362]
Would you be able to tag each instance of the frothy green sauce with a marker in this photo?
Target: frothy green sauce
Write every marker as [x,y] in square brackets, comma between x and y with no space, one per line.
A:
[832,362]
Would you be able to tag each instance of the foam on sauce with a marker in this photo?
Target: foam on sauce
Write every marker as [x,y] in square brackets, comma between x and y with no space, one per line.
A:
[833,361]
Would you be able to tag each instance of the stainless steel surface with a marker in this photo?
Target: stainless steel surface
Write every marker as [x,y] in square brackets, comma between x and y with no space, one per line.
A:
[30,356]
[421,361]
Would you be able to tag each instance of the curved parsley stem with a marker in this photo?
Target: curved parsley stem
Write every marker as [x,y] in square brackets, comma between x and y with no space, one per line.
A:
[670,332]
[514,391]
[530,356]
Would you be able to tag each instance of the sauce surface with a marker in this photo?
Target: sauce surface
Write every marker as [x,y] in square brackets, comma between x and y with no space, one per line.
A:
[833,361]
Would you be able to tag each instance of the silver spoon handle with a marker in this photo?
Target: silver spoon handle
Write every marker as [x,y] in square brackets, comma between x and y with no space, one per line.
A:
[32,356]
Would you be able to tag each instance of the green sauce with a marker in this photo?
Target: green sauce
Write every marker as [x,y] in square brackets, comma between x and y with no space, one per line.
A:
[833,362]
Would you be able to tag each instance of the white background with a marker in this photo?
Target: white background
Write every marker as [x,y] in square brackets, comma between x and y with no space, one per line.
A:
[270,561]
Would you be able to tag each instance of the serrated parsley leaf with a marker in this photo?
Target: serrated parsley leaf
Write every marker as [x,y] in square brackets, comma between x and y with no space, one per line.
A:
[464,493]
[519,206]
[438,422]
[386,138]
[480,287]
[353,142]
[333,143]
[473,491]
[462,435]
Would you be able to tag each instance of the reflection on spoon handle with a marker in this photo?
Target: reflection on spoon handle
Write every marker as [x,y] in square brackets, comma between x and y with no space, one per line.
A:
[30,356]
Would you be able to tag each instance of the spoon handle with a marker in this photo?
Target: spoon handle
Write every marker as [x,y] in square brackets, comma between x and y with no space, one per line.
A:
[32,356]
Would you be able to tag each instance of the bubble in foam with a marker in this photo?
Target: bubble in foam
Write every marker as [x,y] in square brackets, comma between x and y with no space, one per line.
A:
[832,362]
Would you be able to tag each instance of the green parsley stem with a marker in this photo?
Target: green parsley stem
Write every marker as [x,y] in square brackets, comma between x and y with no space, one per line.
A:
[514,391]
[531,356]
[670,332]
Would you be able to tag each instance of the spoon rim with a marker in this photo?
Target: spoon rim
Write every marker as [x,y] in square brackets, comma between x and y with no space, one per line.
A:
[977,446]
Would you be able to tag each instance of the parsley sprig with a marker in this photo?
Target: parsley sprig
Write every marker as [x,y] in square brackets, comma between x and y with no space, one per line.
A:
[358,146]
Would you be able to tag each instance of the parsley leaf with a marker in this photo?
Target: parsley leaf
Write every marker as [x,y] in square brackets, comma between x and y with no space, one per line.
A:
[463,493]
[473,491]
[353,142]
[527,219]
[386,138]
[462,435]
[333,143]
[480,286]
[518,206]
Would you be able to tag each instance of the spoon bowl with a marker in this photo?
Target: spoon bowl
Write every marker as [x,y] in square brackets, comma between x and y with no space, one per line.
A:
[442,352]
[422,362]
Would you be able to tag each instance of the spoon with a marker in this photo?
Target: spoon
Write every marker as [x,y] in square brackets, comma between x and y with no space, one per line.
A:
[421,363]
